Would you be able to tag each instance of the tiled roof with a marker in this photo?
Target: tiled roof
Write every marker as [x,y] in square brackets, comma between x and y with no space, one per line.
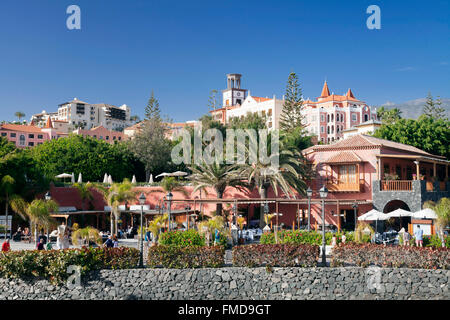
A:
[20,128]
[362,140]
[259,99]
[344,157]
[325,90]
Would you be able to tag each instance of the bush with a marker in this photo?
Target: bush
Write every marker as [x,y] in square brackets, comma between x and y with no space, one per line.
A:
[307,237]
[281,255]
[434,241]
[186,257]
[187,238]
[53,264]
[364,255]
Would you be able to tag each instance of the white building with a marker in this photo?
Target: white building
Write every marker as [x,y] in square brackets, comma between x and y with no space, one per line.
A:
[368,128]
[79,114]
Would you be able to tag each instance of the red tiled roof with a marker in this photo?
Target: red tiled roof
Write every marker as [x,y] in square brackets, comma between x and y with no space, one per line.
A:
[20,127]
[260,99]
[325,90]
[344,157]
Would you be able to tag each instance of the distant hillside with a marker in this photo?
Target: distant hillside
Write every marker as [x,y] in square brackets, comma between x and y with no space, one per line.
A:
[413,109]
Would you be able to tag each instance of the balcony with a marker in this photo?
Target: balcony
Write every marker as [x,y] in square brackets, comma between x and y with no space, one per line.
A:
[345,187]
[396,185]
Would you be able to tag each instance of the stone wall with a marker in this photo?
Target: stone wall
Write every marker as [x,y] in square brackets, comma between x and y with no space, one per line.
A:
[242,283]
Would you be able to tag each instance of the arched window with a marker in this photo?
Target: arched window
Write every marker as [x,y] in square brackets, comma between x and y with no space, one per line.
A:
[22,140]
[328,118]
[332,117]
[366,117]
[328,129]
[332,129]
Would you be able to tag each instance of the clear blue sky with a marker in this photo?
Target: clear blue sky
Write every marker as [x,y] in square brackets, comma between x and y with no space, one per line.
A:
[183,49]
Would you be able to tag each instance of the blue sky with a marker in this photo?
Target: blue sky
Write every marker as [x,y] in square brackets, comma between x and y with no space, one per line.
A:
[183,49]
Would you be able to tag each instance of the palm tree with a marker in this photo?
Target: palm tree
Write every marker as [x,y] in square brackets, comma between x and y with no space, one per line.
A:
[7,187]
[207,227]
[85,192]
[289,177]
[86,236]
[37,212]
[218,177]
[19,114]
[119,193]
[442,210]
[155,226]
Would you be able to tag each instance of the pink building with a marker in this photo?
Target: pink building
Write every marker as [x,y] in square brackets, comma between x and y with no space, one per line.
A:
[101,133]
[331,114]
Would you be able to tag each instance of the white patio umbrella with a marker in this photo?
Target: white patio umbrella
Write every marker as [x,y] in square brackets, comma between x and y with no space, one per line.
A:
[371,215]
[105,178]
[424,214]
[164,174]
[399,213]
[151,178]
[110,180]
[63,176]
[80,179]
[133,181]
[178,174]
[72,178]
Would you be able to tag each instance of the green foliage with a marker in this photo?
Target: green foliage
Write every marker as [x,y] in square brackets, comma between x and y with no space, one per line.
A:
[52,264]
[291,117]
[152,110]
[92,157]
[186,257]
[282,255]
[390,256]
[426,133]
[433,108]
[308,237]
[249,121]
[435,242]
[187,238]
[86,236]
[389,116]
[6,147]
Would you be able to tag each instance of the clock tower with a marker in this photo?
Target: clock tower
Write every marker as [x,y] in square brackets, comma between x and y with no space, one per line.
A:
[233,94]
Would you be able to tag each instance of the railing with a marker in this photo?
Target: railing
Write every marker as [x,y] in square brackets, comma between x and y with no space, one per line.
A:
[343,187]
[396,185]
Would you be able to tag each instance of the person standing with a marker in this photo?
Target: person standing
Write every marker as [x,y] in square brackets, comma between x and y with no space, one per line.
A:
[419,236]
[109,243]
[6,246]
[115,242]
[40,245]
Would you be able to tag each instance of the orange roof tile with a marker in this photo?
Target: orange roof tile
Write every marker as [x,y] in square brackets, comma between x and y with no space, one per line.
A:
[325,90]
[344,157]
[49,124]
[350,94]
[260,99]
[20,128]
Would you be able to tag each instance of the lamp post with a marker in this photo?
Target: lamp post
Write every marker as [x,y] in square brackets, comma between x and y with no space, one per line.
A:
[266,208]
[276,227]
[323,194]
[169,197]
[141,247]
[234,213]
[309,194]
[355,208]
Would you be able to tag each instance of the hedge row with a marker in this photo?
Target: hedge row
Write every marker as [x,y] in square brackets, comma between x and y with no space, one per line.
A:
[186,257]
[364,255]
[308,237]
[280,255]
[53,264]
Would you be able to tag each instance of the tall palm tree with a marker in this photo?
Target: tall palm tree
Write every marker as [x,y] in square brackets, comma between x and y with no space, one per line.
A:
[20,115]
[7,188]
[218,177]
[290,176]
[85,192]
[117,194]
[37,212]
[442,209]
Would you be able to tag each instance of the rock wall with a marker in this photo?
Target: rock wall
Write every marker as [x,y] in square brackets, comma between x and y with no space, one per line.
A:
[241,283]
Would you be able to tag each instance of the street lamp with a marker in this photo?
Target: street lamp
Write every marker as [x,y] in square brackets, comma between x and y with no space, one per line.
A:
[323,192]
[141,247]
[48,197]
[234,213]
[355,208]
[309,195]
[169,197]
[276,227]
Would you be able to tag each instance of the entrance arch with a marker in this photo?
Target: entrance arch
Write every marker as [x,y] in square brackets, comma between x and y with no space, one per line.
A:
[398,223]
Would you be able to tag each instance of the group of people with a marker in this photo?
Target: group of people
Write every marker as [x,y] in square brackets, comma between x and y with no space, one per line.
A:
[406,237]
[22,234]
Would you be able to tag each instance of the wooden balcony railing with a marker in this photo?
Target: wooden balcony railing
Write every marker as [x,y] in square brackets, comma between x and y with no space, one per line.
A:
[396,185]
[344,187]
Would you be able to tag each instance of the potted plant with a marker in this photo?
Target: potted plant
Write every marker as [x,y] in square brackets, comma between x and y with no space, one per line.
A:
[240,221]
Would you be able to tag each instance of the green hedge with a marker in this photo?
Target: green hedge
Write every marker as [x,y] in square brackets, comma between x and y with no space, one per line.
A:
[187,238]
[186,257]
[364,255]
[281,255]
[307,237]
[434,241]
[53,264]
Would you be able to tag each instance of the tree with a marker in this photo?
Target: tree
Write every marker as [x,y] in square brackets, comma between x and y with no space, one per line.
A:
[19,115]
[249,121]
[117,194]
[135,118]
[389,116]
[152,111]
[92,157]
[155,226]
[426,133]
[212,100]
[37,212]
[216,176]
[291,116]
[6,147]
[85,236]
[7,189]
[433,109]
[442,210]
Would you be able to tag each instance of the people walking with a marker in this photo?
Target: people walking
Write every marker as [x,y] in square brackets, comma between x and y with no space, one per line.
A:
[419,236]
[6,246]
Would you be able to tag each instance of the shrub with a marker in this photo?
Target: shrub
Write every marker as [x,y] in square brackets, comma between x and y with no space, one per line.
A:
[434,241]
[187,238]
[186,257]
[53,264]
[307,237]
[282,255]
[364,255]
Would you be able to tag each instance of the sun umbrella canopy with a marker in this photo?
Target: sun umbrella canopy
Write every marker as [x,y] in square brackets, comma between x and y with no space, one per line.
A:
[80,179]
[164,174]
[424,214]
[105,178]
[72,176]
[373,215]
[64,175]
[178,174]
[110,180]
[151,178]
[399,213]
[133,181]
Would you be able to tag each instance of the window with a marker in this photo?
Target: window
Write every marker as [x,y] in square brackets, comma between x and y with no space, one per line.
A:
[114,138]
[101,137]
[95,136]
[270,112]
[107,137]
[347,174]
[40,136]
[366,117]
[332,117]
[322,130]
[31,144]
[12,135]
[386,169]
[328,118]
[328,129]
[120,138]
[22,140]
[31,136]
[354,117]
[3,134]
[322,118]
